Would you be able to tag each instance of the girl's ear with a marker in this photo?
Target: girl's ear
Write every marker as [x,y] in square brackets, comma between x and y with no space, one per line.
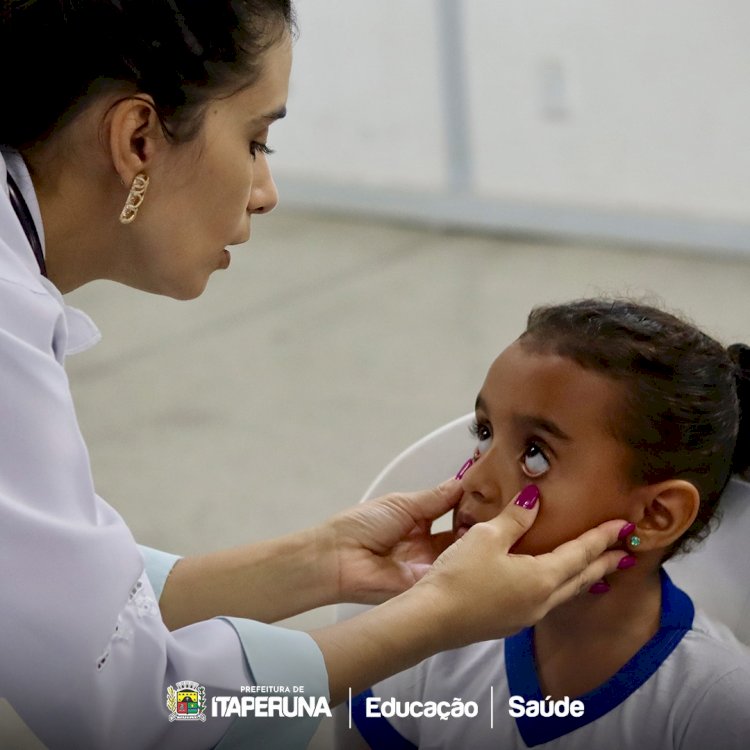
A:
[135,135]
[669,510]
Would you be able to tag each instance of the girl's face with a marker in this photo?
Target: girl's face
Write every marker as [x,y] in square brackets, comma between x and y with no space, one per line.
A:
[203,193]
[542,419]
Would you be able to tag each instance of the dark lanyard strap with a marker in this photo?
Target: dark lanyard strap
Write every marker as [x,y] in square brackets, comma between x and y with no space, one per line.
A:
[27,223]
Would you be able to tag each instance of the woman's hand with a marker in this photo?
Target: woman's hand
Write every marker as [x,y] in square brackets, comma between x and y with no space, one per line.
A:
[476,590]
[482,591]
[383,546]
[366,554]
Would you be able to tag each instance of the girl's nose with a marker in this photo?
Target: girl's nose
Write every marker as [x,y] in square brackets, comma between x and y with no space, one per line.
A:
[480,479]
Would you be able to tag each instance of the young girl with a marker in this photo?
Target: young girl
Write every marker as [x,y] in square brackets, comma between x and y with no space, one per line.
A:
[607,408]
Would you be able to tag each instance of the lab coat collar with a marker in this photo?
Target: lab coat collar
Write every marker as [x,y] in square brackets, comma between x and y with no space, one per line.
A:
[82,332]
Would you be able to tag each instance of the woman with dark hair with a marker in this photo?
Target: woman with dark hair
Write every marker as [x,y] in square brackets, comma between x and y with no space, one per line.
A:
[137,152]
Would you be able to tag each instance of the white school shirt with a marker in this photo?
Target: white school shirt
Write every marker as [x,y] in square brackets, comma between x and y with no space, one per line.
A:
[688,688]
[85,658]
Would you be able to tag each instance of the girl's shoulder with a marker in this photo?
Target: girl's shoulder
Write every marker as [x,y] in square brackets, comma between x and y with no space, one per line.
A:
[710,638]
[708,680]
[709,667]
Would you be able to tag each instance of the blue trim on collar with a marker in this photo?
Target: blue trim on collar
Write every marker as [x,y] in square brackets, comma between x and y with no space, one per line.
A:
[377,732]
[676,619]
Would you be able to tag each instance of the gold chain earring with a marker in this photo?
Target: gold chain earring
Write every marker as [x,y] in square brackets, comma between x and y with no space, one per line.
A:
[135,198]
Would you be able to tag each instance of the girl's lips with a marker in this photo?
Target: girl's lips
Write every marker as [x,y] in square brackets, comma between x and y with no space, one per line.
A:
[462,522]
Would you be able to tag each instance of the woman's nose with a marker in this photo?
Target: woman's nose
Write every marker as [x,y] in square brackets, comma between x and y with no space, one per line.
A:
[264,196]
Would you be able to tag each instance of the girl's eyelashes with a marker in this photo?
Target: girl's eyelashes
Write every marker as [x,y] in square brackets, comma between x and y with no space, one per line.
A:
[256,147]
[534,462]
[481,432]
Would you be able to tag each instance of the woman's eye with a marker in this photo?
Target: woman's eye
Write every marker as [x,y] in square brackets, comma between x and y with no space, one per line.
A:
[535,463]
[256,147]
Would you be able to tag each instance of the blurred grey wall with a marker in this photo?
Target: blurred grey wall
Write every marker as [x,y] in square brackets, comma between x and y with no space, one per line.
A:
[623,120]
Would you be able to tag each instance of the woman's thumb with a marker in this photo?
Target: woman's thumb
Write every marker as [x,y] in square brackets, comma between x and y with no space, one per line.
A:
[517,516]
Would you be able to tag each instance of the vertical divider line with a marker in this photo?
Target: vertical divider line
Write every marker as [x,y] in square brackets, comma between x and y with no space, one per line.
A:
[454,90]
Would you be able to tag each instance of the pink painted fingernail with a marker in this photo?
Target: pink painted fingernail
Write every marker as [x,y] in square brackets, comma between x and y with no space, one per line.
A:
[465,468]
[528,496]
[627,562]
[628,528]
[600,587]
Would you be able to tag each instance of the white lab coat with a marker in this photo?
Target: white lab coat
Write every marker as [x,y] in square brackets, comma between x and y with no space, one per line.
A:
[85,658]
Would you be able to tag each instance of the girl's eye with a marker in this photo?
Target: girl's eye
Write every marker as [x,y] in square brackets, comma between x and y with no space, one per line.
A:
[534,463]
[482,433]
[256,147]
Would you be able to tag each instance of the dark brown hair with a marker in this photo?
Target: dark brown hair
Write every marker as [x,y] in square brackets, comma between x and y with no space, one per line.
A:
[57,55]
[687,407]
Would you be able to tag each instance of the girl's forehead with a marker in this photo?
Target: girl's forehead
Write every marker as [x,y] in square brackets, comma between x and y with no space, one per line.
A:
[552,386]
[522,362]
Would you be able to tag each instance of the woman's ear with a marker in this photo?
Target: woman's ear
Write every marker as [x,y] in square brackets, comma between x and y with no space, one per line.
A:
[669,510]
[135,135]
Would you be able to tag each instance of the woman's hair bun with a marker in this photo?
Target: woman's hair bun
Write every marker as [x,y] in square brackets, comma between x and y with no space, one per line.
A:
[740,355]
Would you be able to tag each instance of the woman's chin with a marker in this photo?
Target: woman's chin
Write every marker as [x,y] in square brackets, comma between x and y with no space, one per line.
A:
[184,289]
